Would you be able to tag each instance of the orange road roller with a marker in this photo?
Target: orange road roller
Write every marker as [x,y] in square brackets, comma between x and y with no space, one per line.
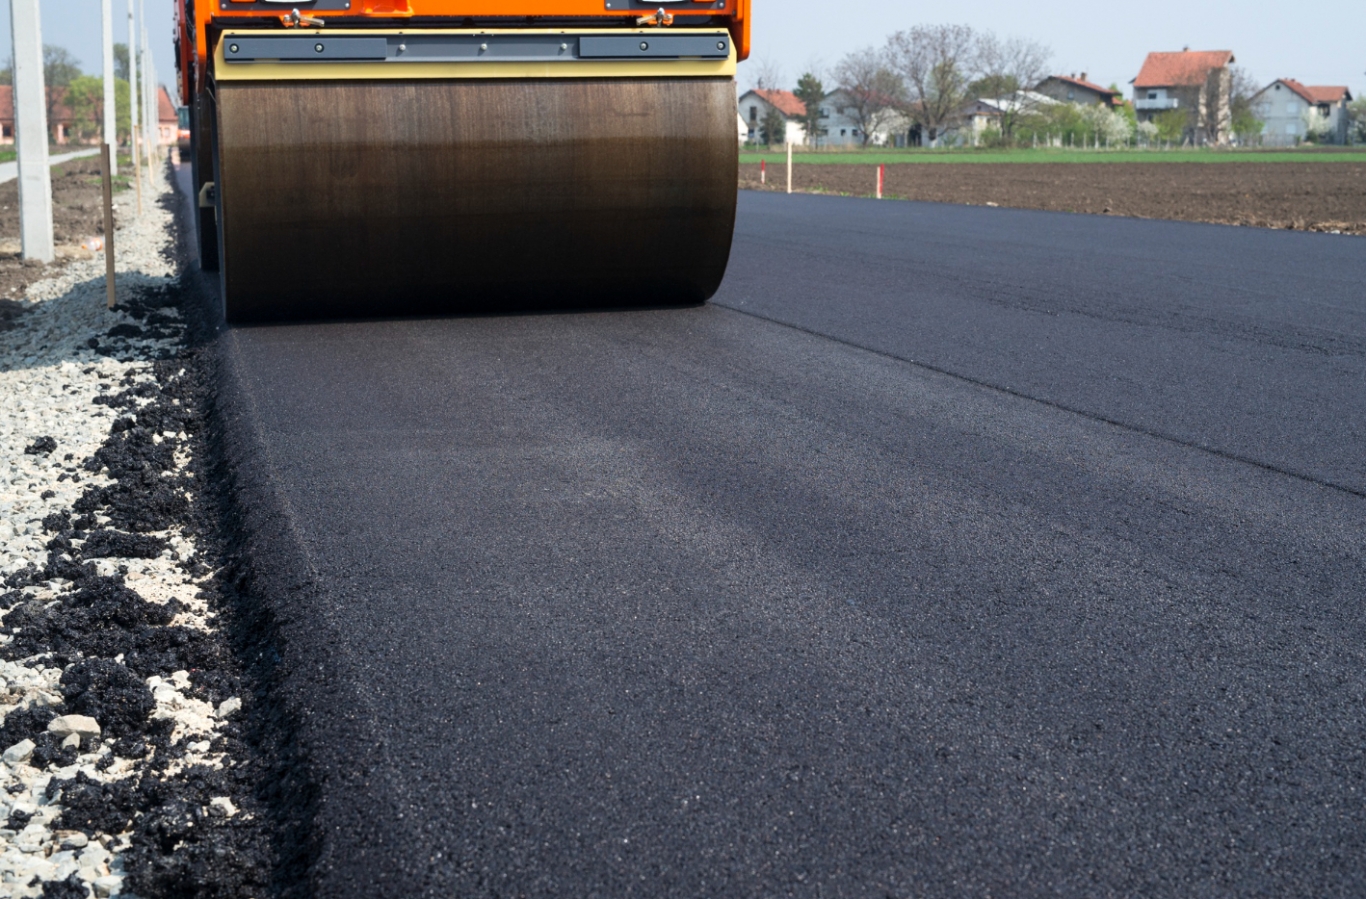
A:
[399,157]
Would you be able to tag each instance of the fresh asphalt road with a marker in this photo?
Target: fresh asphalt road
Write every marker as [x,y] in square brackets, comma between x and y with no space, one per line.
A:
[948,552]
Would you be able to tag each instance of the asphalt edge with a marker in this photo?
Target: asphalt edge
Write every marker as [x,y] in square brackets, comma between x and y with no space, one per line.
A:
[256,541]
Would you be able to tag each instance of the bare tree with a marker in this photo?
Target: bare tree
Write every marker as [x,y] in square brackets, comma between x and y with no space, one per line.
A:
[767,74]
[1008,71]
[935,62]
[1243,87]
[875,92]
[60,68]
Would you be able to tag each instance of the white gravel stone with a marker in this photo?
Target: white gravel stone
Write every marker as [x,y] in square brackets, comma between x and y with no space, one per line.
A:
[74,726]
[228,706]
[222,807]
[74,840]
[19,752]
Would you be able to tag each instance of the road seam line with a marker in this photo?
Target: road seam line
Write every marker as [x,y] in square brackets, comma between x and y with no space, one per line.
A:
[1092,416]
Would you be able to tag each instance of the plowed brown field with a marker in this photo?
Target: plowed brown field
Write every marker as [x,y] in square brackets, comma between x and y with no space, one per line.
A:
[1309,196]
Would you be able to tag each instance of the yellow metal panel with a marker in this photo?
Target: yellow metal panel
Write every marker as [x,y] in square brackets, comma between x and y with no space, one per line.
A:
[398,69]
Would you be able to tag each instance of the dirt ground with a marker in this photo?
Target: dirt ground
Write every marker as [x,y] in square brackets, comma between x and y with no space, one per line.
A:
[77,216]
[1318,196]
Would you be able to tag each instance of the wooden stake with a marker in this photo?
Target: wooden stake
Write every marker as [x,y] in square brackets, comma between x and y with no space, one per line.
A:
[107,177]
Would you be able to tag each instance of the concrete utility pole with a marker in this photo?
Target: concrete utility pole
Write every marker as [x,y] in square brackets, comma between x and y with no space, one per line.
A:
[149,105]
[30,123]
[134,102]
[111,128]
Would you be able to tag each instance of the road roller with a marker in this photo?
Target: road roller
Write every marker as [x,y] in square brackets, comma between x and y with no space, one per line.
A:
[371,158]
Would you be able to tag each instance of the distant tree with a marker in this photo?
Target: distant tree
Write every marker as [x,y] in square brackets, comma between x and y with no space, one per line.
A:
[1010,69]
[936,63]
[121,61]
[812,93]
[85,99]
[989,87]
[123,109]
[1147,132]
[1126,109]
[875,92]
[1317,126]
[1357,111]
[1246,125]
[60,68]
[1171,124]
[773,127]
[7,73]
[1106,125]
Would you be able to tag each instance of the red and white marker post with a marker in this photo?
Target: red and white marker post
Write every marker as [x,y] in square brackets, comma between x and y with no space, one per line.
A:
[763,171]
[881,179]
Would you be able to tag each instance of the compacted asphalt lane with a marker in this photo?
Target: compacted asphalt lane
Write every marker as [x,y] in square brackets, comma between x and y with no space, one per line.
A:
[948,552]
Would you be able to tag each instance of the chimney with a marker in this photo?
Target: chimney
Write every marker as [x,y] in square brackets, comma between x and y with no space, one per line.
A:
[1083,76]
[1186,49]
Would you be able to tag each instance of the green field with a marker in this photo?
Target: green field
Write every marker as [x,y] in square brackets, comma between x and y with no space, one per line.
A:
[891,157]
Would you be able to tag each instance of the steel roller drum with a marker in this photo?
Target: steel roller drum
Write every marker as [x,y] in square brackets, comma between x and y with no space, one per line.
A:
[395,197]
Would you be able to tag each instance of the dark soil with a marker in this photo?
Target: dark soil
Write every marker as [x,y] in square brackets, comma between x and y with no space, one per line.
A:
[77,214]
[1304,196]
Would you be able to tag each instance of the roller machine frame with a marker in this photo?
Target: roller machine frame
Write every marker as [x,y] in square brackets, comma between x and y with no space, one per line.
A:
[392,157]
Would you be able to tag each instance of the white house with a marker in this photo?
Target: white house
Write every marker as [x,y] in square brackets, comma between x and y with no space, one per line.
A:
[975,117]
[842,127]
[755,104]
[1286,109]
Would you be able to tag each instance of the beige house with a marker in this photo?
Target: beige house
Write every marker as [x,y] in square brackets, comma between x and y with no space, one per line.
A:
[1196,81]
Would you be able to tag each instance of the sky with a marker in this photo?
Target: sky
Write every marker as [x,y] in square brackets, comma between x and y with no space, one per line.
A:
[1315,41]
[75,25]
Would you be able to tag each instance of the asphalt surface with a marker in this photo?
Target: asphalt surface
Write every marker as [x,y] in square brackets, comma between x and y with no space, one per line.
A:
[948,552]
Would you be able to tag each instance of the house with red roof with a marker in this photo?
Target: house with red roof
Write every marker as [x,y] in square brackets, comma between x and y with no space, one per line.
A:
[1076,89]
[756,104]
[1291,112]
[1198,82]
[63,126]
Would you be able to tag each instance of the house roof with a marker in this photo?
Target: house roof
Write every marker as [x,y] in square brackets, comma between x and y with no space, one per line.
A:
[165,108]
[1080,82]
[1317,93]
[785,102]
[1181,69]
[1024,100]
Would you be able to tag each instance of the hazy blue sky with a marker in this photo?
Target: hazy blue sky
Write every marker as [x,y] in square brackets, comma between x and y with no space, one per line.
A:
[75,25]
[1316,41]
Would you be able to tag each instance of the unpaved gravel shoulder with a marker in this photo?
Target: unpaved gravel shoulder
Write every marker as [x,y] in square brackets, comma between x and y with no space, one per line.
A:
[77,220]
[127,764]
